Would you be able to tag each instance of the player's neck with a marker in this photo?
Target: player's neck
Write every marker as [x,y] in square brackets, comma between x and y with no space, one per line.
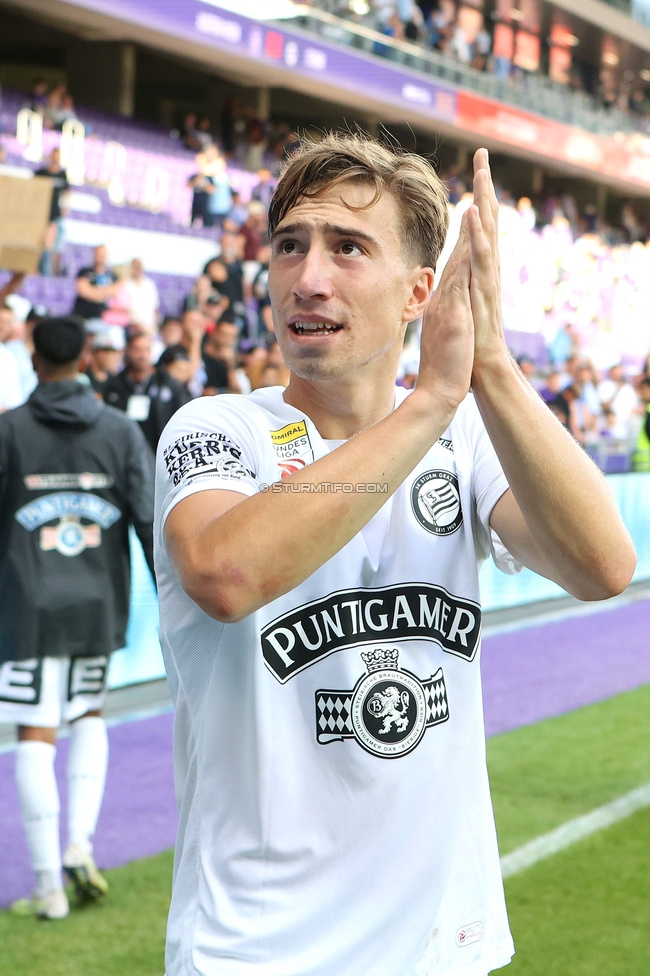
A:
[341,409]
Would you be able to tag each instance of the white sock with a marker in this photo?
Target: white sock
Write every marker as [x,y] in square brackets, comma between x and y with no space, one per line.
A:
[39,803]
[87,765]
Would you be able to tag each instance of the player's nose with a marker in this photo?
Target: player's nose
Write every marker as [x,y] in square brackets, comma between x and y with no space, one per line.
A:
[314,278]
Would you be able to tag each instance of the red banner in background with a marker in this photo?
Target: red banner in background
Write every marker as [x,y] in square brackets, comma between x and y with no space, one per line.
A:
[626,158]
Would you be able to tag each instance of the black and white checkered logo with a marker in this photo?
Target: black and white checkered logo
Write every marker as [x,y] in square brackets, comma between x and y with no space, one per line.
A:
[388,711]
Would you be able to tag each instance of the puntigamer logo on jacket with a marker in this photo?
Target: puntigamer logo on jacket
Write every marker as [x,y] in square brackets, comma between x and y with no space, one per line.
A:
[407,611]
[69,535]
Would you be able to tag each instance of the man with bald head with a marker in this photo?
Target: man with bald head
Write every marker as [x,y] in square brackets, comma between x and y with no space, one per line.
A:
[96,284]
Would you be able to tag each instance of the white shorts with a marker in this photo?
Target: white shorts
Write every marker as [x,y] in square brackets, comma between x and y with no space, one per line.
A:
[46,692]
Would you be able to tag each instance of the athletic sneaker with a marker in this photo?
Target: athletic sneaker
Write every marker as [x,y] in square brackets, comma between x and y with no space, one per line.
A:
[82,871]
[52,906]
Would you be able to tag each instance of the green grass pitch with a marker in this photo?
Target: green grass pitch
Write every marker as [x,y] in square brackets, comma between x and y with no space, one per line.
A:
[582,912]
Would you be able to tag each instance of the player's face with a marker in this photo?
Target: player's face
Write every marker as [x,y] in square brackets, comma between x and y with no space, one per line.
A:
[341,288]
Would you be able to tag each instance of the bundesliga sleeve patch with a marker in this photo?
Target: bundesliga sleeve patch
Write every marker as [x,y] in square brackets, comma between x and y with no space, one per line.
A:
[204,454]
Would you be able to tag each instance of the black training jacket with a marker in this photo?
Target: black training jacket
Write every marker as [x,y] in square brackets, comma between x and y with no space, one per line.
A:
[74,473]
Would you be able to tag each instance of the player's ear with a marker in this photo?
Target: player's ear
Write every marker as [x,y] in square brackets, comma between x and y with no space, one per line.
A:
[421,293]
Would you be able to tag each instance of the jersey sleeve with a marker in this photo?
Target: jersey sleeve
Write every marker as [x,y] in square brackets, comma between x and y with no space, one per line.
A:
[209,444]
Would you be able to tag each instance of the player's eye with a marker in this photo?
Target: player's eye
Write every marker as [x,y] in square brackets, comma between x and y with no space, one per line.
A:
[286,247]
[349,247]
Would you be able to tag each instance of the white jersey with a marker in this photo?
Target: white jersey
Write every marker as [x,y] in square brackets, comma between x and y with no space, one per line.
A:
[335,817]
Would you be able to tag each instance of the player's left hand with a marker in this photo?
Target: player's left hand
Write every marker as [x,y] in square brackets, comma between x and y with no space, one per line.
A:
[485,285]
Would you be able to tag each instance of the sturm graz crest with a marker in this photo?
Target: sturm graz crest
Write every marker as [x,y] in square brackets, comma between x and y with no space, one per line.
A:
[435,498]
[387,712]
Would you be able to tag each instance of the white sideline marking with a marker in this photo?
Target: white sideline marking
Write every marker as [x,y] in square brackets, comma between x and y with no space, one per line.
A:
[574,830]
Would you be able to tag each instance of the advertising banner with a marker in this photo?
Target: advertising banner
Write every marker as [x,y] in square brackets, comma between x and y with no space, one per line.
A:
[626,159]
[208,23]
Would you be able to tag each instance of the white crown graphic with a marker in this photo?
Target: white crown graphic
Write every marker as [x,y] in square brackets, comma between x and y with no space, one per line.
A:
[380,658]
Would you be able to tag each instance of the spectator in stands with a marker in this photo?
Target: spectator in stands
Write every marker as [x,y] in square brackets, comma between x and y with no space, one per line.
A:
[565,344]
[581,422]
[219,359]
[64,599]
[68,111]
[189,134]
[52,108]
[175,360]
[229,117]
[11,286]
[641,456]
[21,346]
[459,46]
[552,388]
[10,389]
[220,197]
[38,96]
[526,213]
[201,185]
[527,367]
[105,358]
[253,231]
[412,20]
[619,402]
[288,142]
[117,307]
[270,376]
[49,263]
[143,298]
[586,376]
[204,132]
[194,325]
[260,295]
[456,186]
[59,108]
[145,393]
[440,24]
[481,47]
[212,192]
[251,359]
[95,286]
[226,277]
[170,333]
[256,147]
[263,190]
[238,213]
[208,288]
[215,309]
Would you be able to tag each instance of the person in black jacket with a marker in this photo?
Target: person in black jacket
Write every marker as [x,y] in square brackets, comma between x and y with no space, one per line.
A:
[74,475]
[146,393]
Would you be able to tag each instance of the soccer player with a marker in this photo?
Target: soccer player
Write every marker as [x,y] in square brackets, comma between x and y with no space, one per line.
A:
[317,556]
[74,474]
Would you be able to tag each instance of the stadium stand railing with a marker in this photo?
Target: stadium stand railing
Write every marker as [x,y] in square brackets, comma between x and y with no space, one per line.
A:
[533,92]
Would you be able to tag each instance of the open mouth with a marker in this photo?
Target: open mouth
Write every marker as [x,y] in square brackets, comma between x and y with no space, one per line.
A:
[314,328]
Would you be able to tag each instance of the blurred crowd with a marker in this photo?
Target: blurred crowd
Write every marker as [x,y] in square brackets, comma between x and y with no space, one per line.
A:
[53,102]
[222,340]
[460,31]
[244,139]
[577,286]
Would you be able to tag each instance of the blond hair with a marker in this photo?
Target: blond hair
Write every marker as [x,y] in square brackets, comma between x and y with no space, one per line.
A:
[316,167]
